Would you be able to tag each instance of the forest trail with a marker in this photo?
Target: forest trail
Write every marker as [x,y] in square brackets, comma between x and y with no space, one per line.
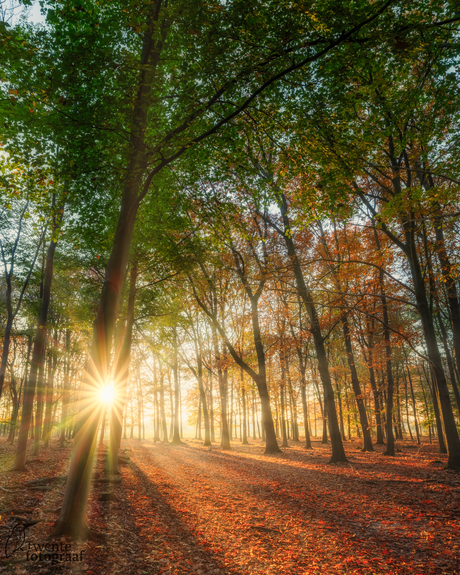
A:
[187,509]
[194,510]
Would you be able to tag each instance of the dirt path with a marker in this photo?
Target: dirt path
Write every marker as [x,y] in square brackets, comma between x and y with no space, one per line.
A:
[187,509]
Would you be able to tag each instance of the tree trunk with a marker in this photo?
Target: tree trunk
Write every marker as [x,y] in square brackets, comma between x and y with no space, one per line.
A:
[292,405]
[6,337]
[441,389]
[198,421]
[243,400]
[451,286]
[376,394]
[37,356]
[338,453]
[211,407]
[339,400]
[253,416]
[72,519]
[283,419]
[121,376]
[231,409]
[390,450]
[139,406]
[162,406]
[156,432]
[367,439]
[207,427]
[176,431]
[47,428]
[414,406]
[407,406]
[225,438]
[65,388]
[450,363]
[437,416]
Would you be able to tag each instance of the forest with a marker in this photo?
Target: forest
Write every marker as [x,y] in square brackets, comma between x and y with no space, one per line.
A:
[229,286]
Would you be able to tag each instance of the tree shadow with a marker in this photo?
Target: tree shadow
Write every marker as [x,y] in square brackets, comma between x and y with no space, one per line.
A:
[324,499]
[187,547]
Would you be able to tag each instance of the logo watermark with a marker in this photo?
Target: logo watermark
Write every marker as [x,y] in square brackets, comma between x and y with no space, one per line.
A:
[39,552]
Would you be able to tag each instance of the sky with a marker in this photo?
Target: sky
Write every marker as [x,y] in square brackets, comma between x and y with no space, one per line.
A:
[34,14]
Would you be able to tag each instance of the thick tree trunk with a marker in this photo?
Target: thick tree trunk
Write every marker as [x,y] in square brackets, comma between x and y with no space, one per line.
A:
[451,286]
[450,363]
[72,519]
[441,389]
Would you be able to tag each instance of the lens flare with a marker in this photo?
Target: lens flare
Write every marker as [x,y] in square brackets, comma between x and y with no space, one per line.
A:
[106,394]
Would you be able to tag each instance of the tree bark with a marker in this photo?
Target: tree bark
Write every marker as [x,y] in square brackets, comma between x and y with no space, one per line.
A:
[162,406]
[121,376]
[450,363]
[47,427]
[37,356]
[176,431]
[367,439]
[338,453]
[437,415]
[211,407]
[65,388]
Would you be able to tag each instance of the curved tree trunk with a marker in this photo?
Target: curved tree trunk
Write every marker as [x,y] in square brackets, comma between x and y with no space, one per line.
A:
[338,452]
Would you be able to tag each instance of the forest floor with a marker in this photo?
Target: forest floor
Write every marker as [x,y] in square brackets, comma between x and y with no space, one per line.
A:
[193,510]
